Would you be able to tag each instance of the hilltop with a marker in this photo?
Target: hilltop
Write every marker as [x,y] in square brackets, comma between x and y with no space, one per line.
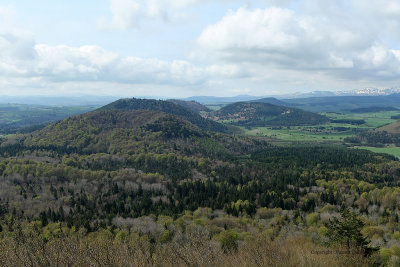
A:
[264,114]
[136,175]
[132,132]
[167,107]
[271,100]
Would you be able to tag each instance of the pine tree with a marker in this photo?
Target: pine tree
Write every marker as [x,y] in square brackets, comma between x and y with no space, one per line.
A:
[347,231]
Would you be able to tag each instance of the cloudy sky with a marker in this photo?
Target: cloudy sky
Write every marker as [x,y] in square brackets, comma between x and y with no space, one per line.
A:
[179,48]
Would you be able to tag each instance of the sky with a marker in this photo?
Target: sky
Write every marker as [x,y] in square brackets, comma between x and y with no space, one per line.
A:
[182,48]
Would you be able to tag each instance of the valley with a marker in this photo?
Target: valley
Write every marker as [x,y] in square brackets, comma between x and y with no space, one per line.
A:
[156,170]
[25,118]
[188,133]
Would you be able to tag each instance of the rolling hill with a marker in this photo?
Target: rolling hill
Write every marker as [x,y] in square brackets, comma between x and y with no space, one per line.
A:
[133,132]
[272,100]
[167,107]
[264,114]
[125,174]
[393,128]
[382,136]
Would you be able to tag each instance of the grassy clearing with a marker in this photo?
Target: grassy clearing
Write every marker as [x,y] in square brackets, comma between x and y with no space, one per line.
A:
[392,128]
[215,107]
[298,133]
[395,151]
[374,120]
[330,132]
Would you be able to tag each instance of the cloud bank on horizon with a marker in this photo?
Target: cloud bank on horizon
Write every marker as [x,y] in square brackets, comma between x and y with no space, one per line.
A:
[176,48]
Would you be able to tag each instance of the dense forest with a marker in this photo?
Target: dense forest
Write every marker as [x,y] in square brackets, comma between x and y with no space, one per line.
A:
[140,185]
[375,138]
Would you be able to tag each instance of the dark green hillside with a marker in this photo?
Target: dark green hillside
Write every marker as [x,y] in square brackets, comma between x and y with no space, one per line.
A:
[167,107]
[191,105]
[375,138]
[163,179]
[133,132]
[263,114]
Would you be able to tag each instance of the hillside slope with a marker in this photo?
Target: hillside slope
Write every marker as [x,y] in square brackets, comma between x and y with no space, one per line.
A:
[393,128]
[271,100]
[264,114]
[133,132]
[167,107]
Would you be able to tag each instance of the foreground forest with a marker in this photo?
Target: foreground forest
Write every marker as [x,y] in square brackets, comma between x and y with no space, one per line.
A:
[139,184]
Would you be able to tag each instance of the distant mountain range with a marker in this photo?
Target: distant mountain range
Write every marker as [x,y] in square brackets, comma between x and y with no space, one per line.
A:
[370,91]
[216,99]
[93,100]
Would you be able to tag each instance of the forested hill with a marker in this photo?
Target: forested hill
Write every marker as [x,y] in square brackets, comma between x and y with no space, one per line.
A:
[271,100]
[164,180]
[133,132]
[167,107]
[264,114]
[385,135]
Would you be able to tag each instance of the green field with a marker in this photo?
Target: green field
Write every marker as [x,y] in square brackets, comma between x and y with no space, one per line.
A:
[215,106]
[297,133]
[395,151]
[374,120]
[330,132]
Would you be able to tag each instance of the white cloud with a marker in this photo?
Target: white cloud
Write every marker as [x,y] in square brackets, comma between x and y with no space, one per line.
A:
[259,44]
[92,63]
[254,29]
[25,66]
[281,38]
